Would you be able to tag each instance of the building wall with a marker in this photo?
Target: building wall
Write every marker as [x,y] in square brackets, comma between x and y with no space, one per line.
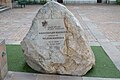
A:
[87,1]
[80,1]
[112,1]
[6,3]
[104,1]
[76,1]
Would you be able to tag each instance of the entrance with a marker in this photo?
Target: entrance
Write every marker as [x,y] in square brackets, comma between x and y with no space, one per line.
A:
[99,1]
[60,1]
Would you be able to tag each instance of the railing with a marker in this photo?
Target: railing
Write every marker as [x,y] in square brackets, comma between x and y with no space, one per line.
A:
[36,1]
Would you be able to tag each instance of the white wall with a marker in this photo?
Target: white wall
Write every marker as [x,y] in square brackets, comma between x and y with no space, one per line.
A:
[112,1]
[85,1]
[80,1]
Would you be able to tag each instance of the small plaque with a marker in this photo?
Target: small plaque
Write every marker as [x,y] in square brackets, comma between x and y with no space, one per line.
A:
[51,34]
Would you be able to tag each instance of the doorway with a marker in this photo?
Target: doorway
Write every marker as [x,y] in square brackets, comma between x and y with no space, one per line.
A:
[99,1]
[60,1]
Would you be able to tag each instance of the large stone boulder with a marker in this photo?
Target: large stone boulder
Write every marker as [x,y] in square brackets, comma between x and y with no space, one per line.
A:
[56,43]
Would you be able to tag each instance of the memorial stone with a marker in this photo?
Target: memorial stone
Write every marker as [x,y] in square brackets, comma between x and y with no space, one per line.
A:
[56,42]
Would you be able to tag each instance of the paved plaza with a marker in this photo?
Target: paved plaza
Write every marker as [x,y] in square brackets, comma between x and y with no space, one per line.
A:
[102,27]
[15,23]
[101,23]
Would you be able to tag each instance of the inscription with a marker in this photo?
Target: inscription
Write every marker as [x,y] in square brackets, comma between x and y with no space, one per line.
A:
[54,38]
[52,33]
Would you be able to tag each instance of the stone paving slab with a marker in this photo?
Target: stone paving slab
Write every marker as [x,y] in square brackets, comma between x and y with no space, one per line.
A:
[112,52]
[90,38]
[70,78]
[116,43]
[12,42]
[47,77]
[96,78]
[20,76]
[94,44]
[32,76]
[99,35]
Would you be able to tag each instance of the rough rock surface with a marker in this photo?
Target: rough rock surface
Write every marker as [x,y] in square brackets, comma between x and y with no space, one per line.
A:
[56,43]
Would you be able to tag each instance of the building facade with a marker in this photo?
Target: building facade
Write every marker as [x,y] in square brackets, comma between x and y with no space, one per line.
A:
[78,1]
[7,3]
[86,1]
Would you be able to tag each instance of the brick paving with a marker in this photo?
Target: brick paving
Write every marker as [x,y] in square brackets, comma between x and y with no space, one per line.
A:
[106,18]
[15,23]
[111,31]
[102,22]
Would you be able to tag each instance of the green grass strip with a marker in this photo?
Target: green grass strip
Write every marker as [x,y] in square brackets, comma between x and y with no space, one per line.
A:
[104,67]
[16,61]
